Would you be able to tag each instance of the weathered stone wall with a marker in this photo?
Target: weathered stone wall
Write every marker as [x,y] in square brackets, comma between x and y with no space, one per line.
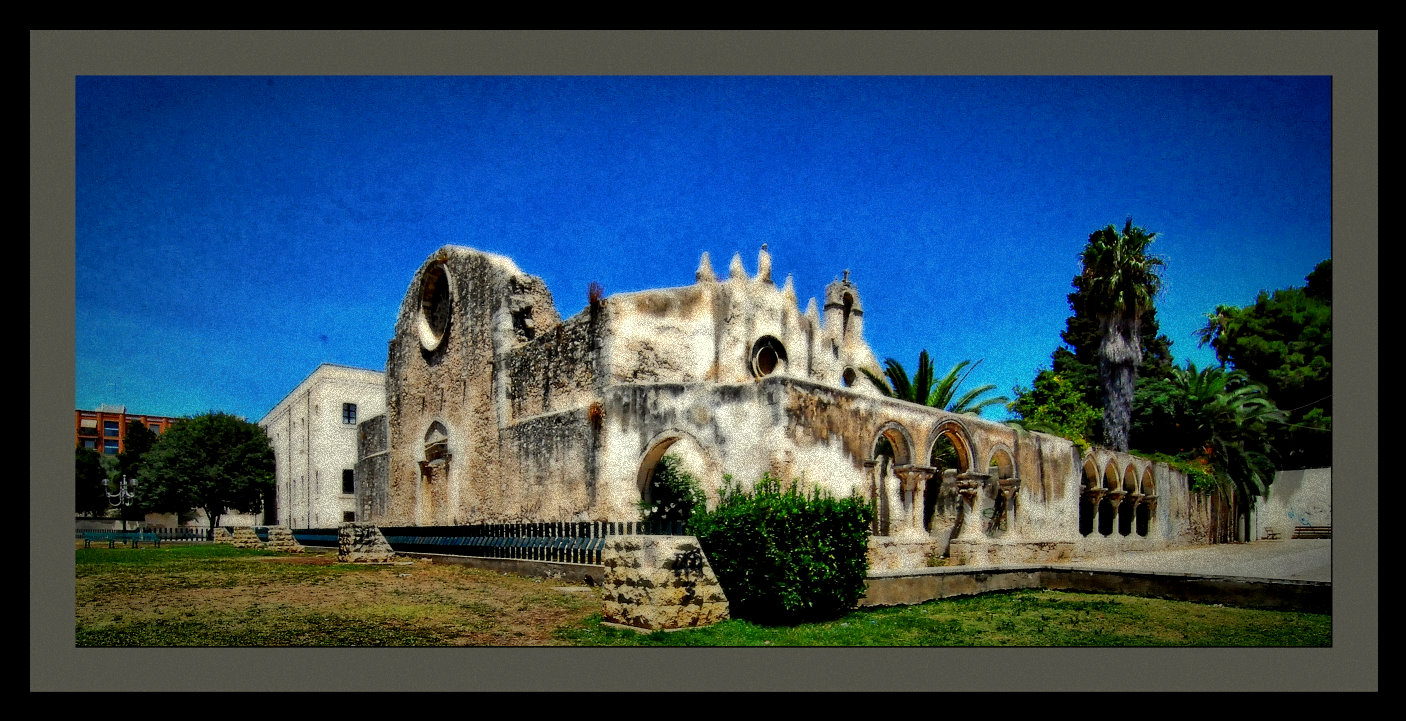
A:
[373,468]
[549,460]
[660,582]
[554,371]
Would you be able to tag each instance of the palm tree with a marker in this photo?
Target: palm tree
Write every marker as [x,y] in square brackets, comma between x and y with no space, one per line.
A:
[1227,417]
[925,389]
[1121,280]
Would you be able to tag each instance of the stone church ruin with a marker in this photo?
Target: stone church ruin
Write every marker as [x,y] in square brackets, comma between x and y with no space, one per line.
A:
[500,411]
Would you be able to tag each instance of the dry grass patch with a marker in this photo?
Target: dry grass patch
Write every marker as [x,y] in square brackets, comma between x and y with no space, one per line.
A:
[208,596]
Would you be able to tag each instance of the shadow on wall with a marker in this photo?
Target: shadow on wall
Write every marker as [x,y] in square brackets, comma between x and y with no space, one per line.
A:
[1296,498]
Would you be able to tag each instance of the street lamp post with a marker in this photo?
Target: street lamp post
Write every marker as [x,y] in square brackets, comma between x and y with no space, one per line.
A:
[125,496]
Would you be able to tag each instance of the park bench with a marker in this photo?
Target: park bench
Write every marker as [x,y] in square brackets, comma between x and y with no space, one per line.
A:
[1313,531]
[133,539]
[1272,534]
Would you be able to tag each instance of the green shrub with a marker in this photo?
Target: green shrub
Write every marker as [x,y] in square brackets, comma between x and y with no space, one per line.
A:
[674,495]
[784,556]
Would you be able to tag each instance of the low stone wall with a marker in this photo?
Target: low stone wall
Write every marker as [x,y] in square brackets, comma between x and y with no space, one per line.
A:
[888,553]
[362,543]
[989,553]
[897,588]
[891,554]
[222,535]
[660,582]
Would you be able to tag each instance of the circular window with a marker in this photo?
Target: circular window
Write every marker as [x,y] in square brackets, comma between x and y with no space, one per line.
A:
[767,356]
[848,377]
[434,306]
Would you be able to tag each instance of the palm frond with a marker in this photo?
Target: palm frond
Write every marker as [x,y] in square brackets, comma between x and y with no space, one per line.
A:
[898,379]
[878,381]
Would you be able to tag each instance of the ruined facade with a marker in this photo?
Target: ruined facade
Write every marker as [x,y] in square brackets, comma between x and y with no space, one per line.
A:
[498,410]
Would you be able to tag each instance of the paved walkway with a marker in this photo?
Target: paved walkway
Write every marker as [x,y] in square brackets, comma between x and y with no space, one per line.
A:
[1300,560]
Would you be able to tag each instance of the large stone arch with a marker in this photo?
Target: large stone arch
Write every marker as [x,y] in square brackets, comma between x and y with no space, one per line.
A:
[950,442]
[695,458]
[900,441]
[961,438]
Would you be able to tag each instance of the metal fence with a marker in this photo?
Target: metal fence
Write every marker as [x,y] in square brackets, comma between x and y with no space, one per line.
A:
[187,533]
[564,542]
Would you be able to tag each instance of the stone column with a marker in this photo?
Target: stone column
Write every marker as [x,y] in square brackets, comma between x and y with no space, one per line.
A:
[969,487]
[1008,487]
[1116,498]
[910,524]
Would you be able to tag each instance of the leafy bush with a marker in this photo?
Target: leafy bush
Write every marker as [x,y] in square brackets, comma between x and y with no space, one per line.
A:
[783,555]
[674,495]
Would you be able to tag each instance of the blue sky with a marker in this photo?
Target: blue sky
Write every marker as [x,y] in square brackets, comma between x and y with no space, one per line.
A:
[235,232]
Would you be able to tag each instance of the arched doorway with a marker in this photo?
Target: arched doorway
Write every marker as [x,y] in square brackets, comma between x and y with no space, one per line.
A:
[690,458]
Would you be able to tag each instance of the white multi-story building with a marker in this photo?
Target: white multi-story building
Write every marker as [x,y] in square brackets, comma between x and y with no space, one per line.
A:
[313,433]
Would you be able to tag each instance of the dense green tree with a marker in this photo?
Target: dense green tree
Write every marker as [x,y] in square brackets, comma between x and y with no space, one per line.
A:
[1056,405]
[88,482]
[1119,281]
[926,389]
[1285,342]
[215,462]
[139,439]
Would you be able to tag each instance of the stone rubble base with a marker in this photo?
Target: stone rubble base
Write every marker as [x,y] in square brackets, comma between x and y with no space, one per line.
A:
[660,582]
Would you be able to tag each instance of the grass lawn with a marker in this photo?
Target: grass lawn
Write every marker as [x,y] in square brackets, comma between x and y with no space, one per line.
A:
[218,595]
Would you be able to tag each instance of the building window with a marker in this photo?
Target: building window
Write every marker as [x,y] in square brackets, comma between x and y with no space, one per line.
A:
[349,516]
[110,429]
[110,447]
[90,443]
[155,427]
[349,413]
[348,481]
